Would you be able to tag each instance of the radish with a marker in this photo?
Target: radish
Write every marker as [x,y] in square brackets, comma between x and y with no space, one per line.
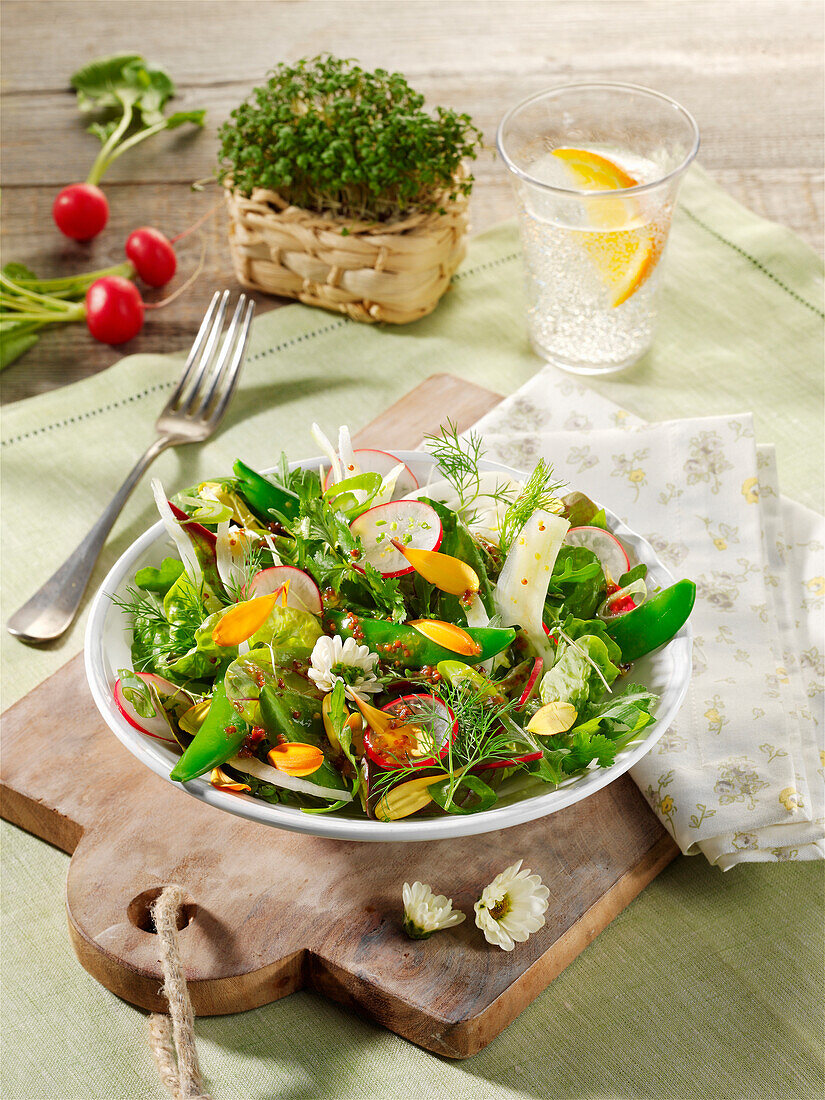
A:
[303,593]
[80,211]
[156,726]
[114,310]
[531,683]
[410,522]
[371,461]
[607,548]
[152,254]
[523,758]
[387,749]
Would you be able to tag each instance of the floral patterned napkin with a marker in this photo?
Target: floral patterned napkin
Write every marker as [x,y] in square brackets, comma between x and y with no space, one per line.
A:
[739,775]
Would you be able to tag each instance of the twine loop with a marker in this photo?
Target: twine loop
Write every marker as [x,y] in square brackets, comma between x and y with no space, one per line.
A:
[172,1037]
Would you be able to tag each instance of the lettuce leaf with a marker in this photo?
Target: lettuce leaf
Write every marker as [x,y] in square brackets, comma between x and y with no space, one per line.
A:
[267,666]
[159,580]
[290,631]
[576,628]
[573,679]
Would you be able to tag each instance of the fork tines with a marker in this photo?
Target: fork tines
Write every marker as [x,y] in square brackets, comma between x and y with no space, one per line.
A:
[212,367]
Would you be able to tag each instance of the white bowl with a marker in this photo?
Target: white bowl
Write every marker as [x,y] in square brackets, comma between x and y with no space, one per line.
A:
[665,672]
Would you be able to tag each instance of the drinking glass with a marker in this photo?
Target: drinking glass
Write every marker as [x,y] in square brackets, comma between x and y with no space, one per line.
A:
[596,169]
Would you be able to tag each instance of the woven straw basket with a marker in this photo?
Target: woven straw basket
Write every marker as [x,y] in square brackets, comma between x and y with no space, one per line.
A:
[396,272]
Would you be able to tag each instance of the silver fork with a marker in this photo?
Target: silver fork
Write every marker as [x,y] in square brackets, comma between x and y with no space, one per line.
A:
[191,415]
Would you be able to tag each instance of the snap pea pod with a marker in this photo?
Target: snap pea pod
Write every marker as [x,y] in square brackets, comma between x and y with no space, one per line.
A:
[405,647]
[219,738]
[280,723]
[262,496]
[657,620]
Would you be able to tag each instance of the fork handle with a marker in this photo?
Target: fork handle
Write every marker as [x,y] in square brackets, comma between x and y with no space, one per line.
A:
[52,608]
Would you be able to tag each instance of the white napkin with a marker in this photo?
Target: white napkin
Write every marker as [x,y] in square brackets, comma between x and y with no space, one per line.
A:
[739,775]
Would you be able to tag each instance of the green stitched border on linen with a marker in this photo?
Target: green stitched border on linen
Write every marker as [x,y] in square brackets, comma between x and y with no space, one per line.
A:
[158,387]
[756,263]
[458,276]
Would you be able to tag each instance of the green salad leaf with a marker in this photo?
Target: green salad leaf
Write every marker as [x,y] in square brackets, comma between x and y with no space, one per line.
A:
[577,582]
[573,678]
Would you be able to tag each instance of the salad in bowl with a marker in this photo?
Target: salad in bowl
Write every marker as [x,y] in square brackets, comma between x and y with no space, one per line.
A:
[414,644]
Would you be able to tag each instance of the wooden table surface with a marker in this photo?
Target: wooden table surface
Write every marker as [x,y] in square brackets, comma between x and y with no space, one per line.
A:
[750,72]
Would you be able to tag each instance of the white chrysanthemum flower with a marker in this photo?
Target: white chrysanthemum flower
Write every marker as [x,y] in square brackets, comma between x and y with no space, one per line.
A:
[511,907]
[426,912]
[334,659]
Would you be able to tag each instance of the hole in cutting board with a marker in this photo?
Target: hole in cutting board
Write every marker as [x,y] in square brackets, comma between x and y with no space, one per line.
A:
[139,911]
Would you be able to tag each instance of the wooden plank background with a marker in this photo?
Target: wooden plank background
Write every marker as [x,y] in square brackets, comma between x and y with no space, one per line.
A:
[751,73]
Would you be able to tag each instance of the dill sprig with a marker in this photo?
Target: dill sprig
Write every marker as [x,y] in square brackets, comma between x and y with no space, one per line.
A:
[156,636]
[540,492]
[237,588]
[486,733]
[458,460]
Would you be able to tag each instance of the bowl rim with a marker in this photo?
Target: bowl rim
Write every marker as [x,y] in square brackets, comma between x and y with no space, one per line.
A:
[345,828]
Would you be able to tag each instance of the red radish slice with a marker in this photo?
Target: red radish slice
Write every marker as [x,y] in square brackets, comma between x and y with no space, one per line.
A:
[606,547]
[156,726]
[409,521]
[388,750]
[371,461]
[303,593]
[524,758]
[531,682]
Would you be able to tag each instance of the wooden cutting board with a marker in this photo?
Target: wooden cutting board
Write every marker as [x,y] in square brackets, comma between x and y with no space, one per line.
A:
[270,912]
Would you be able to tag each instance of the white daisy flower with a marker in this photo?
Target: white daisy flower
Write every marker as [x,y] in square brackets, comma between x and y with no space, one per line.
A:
[511,907]
[426,912]
[334,659]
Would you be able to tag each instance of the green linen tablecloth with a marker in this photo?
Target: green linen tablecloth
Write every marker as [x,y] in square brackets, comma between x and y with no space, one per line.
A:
[707,985]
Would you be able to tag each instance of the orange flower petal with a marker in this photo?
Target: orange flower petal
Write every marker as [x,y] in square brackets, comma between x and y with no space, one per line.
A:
[448,635]
[379,720]
[244,620]
[447,573]
[295,758]
[222,782]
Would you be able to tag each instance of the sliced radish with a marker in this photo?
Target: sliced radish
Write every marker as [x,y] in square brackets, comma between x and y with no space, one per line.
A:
[606,547]
[538,665]
[157,726]
[303,593]
[620,601]
[524,758]
[409,521]
[369,461]
[387,749]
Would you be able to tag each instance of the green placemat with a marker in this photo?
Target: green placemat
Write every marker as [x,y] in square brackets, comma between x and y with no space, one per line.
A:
[707,985]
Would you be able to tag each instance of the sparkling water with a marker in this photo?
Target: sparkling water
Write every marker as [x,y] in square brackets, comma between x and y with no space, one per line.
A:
[593,266]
